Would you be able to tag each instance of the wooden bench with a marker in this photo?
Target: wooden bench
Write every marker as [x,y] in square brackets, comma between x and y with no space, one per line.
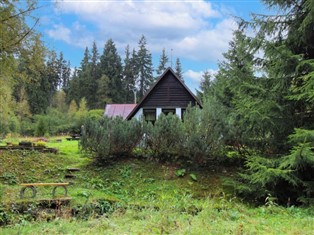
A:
[33,186]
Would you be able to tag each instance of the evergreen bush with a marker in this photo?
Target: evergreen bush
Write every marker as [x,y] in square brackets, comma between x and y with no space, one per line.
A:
[203,134]
[289,178]
[110,138]
[165,138]
[42,127]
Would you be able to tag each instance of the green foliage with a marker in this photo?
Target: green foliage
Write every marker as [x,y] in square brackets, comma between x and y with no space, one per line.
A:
[106,199]
[42,126]
[180,172]
[193,177]
[41,144]
[289,176]
[165,138]
[203,133]
[129,74]
[178,69]
[144,67]
[162,62]
[95,114]
[111,67]
[108,138]
[9,178]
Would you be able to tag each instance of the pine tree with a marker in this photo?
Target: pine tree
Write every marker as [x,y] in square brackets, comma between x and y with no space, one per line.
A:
[103,91]
[286,97]
[111,66]
[178,70]
[38,84]
[58,101]
[74,88]
[162,62]
[85,61]
[92,98]
[205,85]
[144,68]
[72,108]
[64,72]
[129,75]
[83,76]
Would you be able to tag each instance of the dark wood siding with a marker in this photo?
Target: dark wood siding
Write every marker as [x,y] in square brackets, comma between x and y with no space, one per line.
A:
[169,92]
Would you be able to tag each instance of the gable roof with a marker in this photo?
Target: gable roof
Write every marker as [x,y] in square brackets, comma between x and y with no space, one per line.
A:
[122,110]
[160,79]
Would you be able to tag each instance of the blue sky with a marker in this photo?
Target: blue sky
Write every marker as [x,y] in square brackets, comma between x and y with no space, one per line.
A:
[197,32]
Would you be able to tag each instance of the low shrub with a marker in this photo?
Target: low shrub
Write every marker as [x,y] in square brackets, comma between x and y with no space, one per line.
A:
[41,144]
[203,136]
[165,138]
[42,126]
[108,138]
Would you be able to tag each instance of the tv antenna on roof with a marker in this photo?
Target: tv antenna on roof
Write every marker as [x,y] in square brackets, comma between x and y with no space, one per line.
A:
[171,57]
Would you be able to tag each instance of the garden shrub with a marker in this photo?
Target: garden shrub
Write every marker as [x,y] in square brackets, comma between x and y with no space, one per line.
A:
[14,125]
[165,138]
[108,138]
[41,128]
[41,144]
[203,134]
[27,127]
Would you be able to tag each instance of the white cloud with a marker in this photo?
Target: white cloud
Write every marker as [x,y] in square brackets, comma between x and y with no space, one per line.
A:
[72,36]
[207,44]
[60,32]
[193,75]
[193,29]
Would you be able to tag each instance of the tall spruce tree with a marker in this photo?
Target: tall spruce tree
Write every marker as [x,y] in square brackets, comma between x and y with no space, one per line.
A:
[94,69]
[103,92]
[83,76]
[64,72]
[144,68]
[286,95]
[74,88]
[163,61]
[237,89]
[39,87]
[111,66]
[178,69]
[129,74]
[205,86]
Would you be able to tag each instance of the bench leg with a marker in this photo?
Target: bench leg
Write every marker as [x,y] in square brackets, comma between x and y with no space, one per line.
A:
[30,187]
[64,187]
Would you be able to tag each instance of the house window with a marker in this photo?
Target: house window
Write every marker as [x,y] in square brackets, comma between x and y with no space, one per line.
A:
[167,111]
[149,115]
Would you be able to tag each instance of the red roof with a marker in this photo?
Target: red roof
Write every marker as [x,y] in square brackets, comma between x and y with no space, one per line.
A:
[122,110]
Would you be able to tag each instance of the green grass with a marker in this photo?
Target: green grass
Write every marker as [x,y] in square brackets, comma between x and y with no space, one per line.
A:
[146,197]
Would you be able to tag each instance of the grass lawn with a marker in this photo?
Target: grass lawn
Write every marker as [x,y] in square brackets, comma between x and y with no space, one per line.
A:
[132,196]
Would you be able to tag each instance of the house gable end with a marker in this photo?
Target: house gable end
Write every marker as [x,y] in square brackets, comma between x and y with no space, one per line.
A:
[168,91]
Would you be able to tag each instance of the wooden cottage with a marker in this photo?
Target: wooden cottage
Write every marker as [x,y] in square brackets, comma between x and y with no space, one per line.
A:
[168,95]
